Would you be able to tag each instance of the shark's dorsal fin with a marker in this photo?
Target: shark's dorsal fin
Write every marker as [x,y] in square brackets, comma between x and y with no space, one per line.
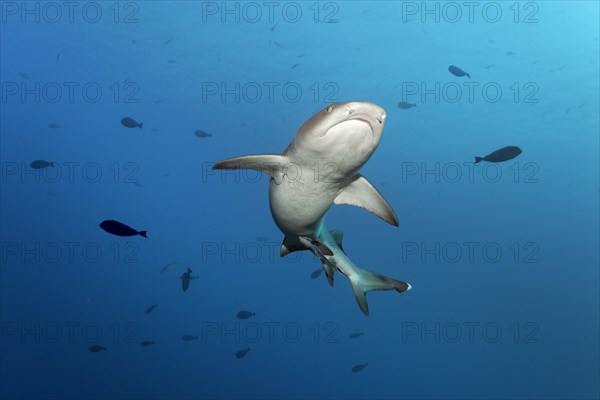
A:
[270,164]
[361,193]
[337,235]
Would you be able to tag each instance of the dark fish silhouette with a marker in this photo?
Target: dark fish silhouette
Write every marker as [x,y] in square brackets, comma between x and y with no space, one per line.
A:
[405,106]
[263,239]
[356,334]
[186,278]
[454,70]
[168,267]
[96,348]
[189,338]
[169,40]
[242,353]
[316,273]
[119,229]
[202,134]
[504,154]
[39,164]
[24,76]
[273,27]
[171,62]
[147,343]
[295,65]
[151,308]
[359,367]
[54,126]
[245,314]
[131,123]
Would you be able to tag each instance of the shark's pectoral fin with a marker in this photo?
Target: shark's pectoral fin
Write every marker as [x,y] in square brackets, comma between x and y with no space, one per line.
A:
[289,246]
[270,164]
[359,192]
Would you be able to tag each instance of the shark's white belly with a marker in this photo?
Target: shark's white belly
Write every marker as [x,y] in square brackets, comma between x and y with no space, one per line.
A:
[299,206]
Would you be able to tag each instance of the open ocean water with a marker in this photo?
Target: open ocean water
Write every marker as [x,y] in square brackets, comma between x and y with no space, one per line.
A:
[117,111]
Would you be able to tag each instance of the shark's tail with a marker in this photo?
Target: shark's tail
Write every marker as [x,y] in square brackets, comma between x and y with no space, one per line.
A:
[365,281]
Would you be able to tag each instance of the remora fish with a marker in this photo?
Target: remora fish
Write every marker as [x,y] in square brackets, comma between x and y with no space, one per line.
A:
[342,135]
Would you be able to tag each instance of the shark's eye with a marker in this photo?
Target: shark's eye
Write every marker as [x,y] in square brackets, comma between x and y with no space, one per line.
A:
[329,109]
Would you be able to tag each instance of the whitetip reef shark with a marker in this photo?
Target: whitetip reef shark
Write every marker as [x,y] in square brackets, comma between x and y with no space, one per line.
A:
[320,168]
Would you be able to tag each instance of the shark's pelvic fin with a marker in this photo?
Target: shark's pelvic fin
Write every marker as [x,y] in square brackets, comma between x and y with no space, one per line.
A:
[320,248]
[329,271]
[366,281]
[359,192]
[271,164]
[289,246]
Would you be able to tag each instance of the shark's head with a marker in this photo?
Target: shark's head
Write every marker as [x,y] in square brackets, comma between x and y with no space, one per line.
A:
[345,133]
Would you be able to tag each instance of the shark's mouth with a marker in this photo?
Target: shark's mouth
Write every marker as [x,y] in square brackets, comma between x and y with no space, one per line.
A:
[365,121]
[351,123]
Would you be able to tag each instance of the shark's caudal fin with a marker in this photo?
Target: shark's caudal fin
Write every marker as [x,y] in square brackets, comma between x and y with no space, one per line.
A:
[478,159]
[366,281]
[271,164]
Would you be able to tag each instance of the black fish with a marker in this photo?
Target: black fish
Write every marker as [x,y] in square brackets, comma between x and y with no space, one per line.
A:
[131,123]
[201,134]
[273,27]
[39,164]
[147,343]
[504,154]
[54,126]
[356,334]
[171,62]
[359,367]
[189,338]
[151,308]
[245,314]
[405,106]
[242,353]
[24,76]
[96,348]
[295,65]
[119,229]
[186,278]
[316,273]
[454,70]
